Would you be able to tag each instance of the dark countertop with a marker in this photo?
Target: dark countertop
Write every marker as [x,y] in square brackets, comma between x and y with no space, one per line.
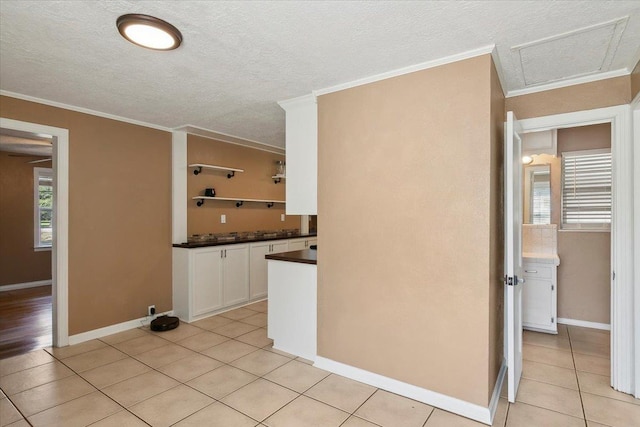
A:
[305,256]
[194,245]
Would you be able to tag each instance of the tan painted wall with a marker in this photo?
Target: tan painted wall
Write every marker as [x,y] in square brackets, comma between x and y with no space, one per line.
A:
[401,164]
[635,81]
[19,263]
[496,205]
[119,214]
[587,96]
[584,289]
[254,183]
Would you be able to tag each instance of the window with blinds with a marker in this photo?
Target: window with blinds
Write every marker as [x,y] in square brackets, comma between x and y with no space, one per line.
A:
[586,189]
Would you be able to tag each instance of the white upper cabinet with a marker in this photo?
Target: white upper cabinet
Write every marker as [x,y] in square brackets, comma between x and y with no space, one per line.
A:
[301,155]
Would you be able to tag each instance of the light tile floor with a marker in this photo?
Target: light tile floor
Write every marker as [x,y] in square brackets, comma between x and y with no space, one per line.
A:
[222,371]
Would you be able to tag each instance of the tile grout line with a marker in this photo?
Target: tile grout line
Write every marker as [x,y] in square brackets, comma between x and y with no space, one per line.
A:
[575,370]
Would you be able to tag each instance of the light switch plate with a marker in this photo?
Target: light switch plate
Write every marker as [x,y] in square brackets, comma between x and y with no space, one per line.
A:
[223,219]
[282,217]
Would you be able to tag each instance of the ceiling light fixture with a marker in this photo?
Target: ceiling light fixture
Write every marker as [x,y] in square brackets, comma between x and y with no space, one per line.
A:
[527,160]
[148,31]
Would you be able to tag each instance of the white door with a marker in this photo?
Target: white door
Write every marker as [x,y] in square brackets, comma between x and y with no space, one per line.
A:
[513,252]
[235,274]
[207,280]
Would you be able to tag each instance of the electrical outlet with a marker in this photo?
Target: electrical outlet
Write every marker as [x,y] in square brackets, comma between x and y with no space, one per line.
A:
[282,217]
[223,219]
[151,310]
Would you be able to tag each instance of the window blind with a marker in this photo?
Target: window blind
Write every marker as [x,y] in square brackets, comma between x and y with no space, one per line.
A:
[586,189]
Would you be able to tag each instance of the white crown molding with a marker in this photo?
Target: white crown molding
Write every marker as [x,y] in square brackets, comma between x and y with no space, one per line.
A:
[230,139]
[499,70]
[569,82]
[82,110]
[300,100]
[186,128]
[406,70]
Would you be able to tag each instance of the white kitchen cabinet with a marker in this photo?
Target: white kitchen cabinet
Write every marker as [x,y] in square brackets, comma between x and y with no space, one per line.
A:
[207,281]
[258,266]
[303,243]
[235,273]
[539,298]
[210,279]
[301,140]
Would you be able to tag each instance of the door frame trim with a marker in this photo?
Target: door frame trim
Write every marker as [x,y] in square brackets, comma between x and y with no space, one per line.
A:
[60,248]
[622,242]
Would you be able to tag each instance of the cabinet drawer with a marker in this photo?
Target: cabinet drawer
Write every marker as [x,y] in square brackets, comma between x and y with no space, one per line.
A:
[537,271]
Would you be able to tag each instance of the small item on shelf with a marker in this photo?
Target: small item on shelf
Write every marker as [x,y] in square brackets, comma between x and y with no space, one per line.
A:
[210,192]
[280,168]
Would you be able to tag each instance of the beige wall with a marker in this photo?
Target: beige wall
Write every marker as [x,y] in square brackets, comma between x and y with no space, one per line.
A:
[587,96]
[254,183]
[19,263]
[496,205]
[584,289]
[119,214]
[402,163]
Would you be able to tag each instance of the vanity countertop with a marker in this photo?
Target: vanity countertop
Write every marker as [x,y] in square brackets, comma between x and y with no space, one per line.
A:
[541,258]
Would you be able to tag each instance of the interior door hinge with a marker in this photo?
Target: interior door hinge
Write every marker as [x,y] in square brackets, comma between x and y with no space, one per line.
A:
[553,319]
[508,280]
[552,287]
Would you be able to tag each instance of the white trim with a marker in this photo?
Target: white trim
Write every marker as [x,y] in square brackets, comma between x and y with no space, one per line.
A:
[410,69]
[623,321]
[635,107]
[112,329]
[497,389]
[82,110]
[42,249]
[448,403]
[568,82]
[60,252]
[25,285]
[499,70]
[229,139]
[179,186]
[584,324]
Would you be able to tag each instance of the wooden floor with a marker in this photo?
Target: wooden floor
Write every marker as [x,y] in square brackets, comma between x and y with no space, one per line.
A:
[25,320]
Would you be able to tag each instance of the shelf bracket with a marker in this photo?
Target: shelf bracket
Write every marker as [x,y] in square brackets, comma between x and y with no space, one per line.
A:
[198,170]
[231,174]
[240,203]
[276,180]
[200,202]
[269,204]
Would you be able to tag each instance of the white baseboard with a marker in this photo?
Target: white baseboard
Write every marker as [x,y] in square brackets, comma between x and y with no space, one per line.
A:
[584,324]
[112,329]
[448,403]
[25,285]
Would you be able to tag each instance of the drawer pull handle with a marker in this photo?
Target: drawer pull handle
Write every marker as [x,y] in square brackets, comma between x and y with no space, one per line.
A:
[531,271]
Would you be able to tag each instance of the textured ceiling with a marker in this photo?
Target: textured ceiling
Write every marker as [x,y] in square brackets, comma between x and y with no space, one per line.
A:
[239,58]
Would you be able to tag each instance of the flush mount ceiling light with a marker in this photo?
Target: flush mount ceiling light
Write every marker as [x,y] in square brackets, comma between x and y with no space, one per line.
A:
[148,31]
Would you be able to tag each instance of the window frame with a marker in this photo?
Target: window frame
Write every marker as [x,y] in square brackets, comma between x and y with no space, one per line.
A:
[601,226]
[39,173]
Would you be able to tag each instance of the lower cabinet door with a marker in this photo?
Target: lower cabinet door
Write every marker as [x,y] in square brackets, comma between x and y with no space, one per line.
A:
[235,274]
[258,270]
[537,307]
[207,281]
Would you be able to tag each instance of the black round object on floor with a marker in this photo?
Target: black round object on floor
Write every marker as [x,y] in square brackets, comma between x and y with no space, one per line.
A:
[164,323]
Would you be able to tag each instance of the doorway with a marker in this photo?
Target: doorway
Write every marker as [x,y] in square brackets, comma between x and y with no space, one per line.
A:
[622,284]
[59,224]
[26,207]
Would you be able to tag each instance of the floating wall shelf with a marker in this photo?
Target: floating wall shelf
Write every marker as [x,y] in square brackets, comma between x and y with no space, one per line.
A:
[239,201]
[199,166]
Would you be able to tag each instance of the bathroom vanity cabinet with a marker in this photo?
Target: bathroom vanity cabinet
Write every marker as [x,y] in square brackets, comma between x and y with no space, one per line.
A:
[540,294]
